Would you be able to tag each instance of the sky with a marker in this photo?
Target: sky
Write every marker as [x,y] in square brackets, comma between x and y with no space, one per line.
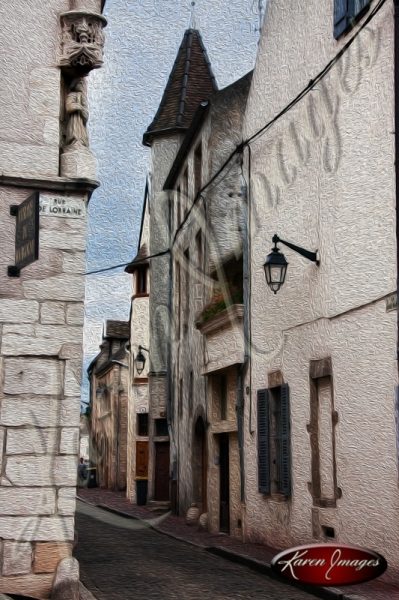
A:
[142,40]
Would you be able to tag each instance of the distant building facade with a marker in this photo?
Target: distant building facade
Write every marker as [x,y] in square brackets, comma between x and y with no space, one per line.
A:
[109,381]
[138,401]
[48,49]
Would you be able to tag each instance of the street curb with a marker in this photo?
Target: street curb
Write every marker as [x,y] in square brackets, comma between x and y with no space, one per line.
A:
[84,593]
[265,569]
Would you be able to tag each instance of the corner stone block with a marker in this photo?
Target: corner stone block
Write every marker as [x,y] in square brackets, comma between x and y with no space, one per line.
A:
[75,314]
[40,411]
[36,586]
[26,501]
[37,529]
[17,558]
[66,288]
[19,311]
[27,375]
[67,501]
[52,313]
[32,441]
[42,470]
[47,556]
[62,241]
[73,378]
[69,440]
[2,434]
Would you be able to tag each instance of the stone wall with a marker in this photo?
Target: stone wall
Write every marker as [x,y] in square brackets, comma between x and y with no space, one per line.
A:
[41,310]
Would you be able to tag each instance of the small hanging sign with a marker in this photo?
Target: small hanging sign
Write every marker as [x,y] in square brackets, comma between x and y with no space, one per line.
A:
[26,233]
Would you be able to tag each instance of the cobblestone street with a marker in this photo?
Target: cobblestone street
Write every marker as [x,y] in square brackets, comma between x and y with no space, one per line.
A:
[124,559]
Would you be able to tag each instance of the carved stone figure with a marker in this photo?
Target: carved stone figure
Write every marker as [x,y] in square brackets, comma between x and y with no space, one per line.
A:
[82,41]
[76,108]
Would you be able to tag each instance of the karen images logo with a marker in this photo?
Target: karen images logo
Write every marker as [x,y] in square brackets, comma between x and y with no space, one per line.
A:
[329,564]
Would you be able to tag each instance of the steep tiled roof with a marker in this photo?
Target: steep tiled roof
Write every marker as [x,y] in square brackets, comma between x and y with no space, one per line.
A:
[190,82]
[117,329]
[139,260]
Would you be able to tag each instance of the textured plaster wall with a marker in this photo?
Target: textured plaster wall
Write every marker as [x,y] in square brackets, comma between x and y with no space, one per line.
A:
[323,177]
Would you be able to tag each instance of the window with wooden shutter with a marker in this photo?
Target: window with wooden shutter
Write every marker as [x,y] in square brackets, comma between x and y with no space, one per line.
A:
[284,434]
[263,442]
[341,17]
[346,13]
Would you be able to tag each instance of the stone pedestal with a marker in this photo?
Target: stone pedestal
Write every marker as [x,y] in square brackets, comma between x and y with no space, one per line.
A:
[78,162]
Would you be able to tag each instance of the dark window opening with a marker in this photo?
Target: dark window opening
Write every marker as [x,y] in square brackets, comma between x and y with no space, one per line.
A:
[223,397]
[142,424]
[197,169]
[141,280]
[161,428]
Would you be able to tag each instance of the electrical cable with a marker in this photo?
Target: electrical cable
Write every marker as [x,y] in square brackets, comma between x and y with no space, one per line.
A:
[141,260]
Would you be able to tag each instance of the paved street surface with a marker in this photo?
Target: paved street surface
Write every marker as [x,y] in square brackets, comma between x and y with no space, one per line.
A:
[124,559]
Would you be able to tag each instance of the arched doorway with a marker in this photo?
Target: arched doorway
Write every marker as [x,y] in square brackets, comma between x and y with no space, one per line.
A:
[200,465]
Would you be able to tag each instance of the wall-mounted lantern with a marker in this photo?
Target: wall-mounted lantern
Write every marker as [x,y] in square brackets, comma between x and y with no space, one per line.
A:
[276,265]
[140,360]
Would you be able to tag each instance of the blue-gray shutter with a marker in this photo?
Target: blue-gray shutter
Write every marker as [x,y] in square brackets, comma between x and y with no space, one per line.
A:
[285,442]
[356,7]
[341,17]
[263,442]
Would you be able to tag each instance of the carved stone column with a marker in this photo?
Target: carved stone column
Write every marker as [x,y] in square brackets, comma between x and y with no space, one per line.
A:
[81,51]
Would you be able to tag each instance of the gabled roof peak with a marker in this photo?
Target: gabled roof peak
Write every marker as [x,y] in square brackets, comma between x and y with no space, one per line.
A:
[190,82]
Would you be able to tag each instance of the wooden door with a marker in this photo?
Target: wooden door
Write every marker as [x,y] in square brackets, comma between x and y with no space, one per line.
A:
[141,459]
[224,483]
[161,491]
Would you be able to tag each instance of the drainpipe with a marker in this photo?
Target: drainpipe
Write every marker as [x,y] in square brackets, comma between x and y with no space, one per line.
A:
[244,367]
[396,83]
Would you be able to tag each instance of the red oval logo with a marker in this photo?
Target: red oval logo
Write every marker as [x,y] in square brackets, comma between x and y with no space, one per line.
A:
[329,564]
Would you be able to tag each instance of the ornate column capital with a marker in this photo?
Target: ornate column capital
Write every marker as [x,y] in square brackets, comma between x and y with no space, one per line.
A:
[82,41]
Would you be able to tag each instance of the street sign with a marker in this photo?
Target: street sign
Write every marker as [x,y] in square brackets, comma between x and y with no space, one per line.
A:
[26,233]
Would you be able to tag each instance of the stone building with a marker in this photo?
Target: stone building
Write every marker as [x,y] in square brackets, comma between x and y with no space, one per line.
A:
[191,82]
[109,382]
[196,298]
[138,399]
[48,49]
[320,432]
[207,293]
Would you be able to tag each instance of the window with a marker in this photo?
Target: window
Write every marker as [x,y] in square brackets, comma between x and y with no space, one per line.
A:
[200,254]
[223,397]
[323,420]
[141,280]
[197,169]
[274,441]
[142,424]
[178,202]
[185,192]
[161,428]
[187,287]
[346,13]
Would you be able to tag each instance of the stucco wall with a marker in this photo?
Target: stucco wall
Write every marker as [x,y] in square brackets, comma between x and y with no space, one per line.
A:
[323,178]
